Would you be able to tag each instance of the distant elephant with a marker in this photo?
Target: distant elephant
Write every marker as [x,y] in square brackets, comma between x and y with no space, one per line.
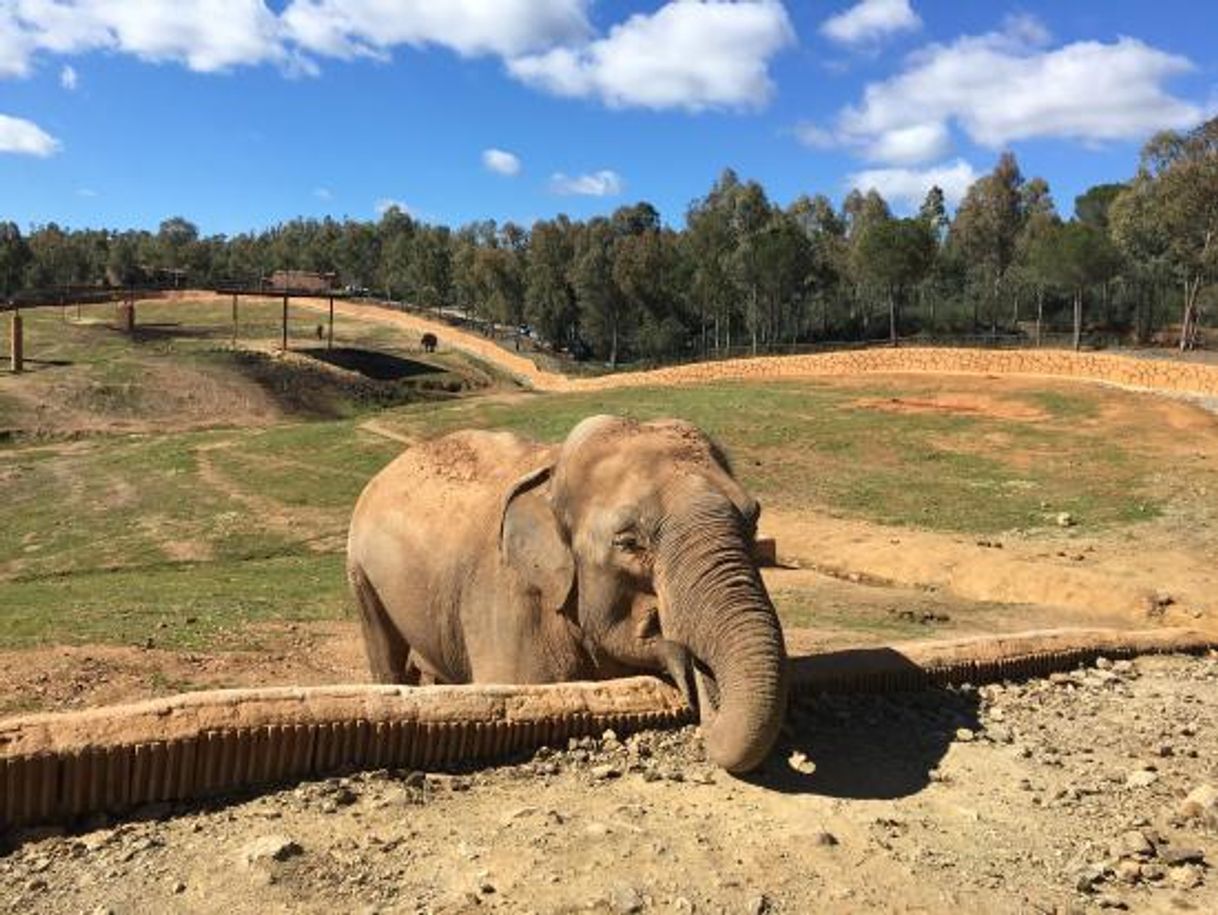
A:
[484,557]
[429,342]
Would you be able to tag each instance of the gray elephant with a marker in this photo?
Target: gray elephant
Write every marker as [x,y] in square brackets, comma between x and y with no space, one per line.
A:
[483,557]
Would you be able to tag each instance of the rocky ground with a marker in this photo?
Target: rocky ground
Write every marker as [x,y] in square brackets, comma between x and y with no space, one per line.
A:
[1093,789]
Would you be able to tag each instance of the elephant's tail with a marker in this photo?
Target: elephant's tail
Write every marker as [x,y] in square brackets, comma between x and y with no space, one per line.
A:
[386,649]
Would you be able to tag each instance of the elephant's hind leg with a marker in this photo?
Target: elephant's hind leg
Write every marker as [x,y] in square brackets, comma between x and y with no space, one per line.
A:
[387,651]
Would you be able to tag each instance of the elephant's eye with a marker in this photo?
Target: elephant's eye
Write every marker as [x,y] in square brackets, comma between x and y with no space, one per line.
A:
[627,541]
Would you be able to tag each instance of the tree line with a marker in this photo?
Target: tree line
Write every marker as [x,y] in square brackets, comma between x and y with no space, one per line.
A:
[743,272]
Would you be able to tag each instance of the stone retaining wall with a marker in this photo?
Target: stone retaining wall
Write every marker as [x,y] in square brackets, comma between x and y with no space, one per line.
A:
[1168,375]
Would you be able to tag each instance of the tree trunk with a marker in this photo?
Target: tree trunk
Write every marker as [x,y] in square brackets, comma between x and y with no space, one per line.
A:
[892,316]
[753,316]
[1188,324]
[1040,311]
[1078,319]
[613,342]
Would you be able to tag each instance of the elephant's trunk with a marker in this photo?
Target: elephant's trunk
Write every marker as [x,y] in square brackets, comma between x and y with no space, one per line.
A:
[717,606]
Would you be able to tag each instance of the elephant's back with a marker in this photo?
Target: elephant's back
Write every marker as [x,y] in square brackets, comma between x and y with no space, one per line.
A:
[447,484]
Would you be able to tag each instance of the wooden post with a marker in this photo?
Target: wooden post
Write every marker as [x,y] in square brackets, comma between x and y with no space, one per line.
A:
[234,319]
[16,344]
[330,338]
[285,322]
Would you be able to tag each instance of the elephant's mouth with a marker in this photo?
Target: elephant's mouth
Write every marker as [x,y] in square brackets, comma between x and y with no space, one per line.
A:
[693,677]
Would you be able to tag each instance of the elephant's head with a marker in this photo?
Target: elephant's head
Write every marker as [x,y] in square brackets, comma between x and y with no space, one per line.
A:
[642,535]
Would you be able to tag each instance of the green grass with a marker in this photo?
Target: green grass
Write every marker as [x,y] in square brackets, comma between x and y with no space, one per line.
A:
[801,609]
[184,606]
[105,538]
[89,368]
[802,445]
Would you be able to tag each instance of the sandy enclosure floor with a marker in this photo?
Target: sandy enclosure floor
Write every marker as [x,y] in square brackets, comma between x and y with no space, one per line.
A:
[1059,795]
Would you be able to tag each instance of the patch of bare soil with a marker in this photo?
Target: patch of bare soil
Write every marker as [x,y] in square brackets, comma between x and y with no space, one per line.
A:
[1088,578]
[68,677]
[957,404]
[1059,795]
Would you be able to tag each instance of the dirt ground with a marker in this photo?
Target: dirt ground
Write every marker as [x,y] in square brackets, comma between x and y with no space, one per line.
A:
[1059,795]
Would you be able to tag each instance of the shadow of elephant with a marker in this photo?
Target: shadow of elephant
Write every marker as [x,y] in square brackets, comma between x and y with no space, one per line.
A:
[869,725]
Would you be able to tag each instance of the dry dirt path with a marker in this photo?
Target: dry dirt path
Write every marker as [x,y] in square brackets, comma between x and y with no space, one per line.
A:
[1099,579]
[1060,795]
[1163,375]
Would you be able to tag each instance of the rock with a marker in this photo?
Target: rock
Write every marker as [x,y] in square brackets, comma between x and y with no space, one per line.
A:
[758,905]
[965,735]
[626,900]
[1110,902]
[1133,844]
[798,761]
[1065,519]
[1186,877]
[1086,879]
[609,736]
[1174,857]
[606,771]
[1129,871]
[518,814]
[270,848]
[683,905]
[177,887]
[1141,778]
[824,839]
[1103,663]
[1201,804]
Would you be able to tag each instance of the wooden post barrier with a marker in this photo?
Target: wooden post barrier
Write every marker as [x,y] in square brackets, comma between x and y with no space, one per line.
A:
[284,345]
[330,338]
[234,319]
[16,343]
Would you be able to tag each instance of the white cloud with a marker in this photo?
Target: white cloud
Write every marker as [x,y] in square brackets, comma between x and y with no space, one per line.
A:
[23,137]
[691,54]
[908,186]
[871,20]
[815,137]
[323,193]
[501,161]
[68,78]
[348,28]
[605,183]
[204,36]
[911,145]
[385,204]
[86,192]
[999,88]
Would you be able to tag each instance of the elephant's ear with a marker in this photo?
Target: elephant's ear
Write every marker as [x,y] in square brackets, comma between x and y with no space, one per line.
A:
[532,541]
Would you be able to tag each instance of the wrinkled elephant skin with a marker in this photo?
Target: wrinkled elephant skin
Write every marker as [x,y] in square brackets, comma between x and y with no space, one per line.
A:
[482,557]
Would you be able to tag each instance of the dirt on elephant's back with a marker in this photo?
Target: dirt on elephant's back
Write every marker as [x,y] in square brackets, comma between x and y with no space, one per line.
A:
[1044,796]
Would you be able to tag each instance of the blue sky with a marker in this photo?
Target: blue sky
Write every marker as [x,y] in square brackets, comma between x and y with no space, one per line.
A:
[242,113]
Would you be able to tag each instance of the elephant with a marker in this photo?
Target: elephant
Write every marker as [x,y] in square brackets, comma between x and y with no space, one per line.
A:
[483,557]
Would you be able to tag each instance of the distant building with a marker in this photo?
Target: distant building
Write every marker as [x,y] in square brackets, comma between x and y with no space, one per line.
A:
[302,280]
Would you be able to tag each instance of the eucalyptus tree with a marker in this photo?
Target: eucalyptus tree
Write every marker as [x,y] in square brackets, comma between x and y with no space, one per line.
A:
[602,318]
[1176,194]
[986,227]
[14,256]
[896,254]
[549,297]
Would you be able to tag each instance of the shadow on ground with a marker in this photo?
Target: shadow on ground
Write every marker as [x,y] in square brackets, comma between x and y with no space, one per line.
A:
[370,363]
[881,739]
